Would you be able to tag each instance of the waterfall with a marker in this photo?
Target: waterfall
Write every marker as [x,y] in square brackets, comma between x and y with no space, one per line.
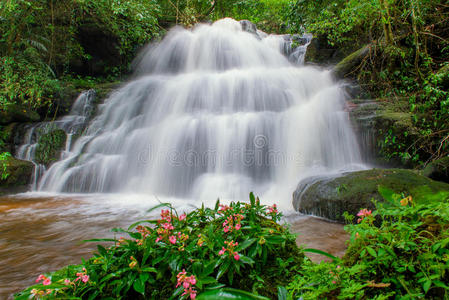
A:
[72,124]
[212,111]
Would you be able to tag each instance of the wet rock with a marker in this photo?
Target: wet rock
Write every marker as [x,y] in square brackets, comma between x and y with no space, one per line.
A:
[19,173]
[321,52]
[438,170]
[331,196]
[250,27]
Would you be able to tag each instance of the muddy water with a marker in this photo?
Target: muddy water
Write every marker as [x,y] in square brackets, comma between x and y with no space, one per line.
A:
[41,232]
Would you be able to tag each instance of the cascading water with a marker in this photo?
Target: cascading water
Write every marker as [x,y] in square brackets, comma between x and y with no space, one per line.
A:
[72,124]
[215,111]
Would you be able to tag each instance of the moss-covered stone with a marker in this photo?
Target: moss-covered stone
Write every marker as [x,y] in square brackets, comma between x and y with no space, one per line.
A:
[349,64]
[19,174]
[17,113]
[330,197]
[50,146]
[438,170]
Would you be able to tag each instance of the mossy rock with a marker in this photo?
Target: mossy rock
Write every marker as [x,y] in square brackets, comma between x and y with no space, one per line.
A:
[331,196]
[17,113]
[19,176]
[50,146]
[346,67]
[438,170]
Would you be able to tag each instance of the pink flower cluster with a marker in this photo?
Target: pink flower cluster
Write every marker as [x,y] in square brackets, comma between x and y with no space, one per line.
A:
[363,213]
[187,283]
[82,276]
[233,222]
[165,227]
[224,208]
[46,281]
[230,249]
[272,209]
[40,293]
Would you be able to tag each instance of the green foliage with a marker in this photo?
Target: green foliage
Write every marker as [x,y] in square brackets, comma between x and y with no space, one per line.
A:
[400,250]
[39,40]
[4,165]
[409,46]
[239,246]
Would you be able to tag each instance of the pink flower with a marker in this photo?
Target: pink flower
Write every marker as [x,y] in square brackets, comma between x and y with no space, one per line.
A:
[40,277]
[238,226]
[172,239]
[364,213]
[85,278]
[222,251]
[47,281]
[334,282]
[182,217]
[193,295]
[236,256]
[159,238]
[226,229]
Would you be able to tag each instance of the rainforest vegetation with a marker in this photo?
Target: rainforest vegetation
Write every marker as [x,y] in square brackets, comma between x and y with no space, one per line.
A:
[398,53]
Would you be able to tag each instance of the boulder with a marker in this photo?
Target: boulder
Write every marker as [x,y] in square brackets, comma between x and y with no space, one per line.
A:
[19,174]
[438,170]
[330,196]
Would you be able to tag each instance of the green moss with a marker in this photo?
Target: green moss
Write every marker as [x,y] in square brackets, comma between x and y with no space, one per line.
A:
[350,63]
[49,146]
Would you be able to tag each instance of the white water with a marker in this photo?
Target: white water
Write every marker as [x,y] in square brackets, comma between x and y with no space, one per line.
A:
[212,112]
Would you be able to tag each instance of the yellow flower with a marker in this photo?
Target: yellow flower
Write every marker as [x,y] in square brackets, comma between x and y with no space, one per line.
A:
[406,201]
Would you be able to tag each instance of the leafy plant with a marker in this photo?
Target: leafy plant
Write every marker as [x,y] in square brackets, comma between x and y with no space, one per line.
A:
[4,165]
[239,246]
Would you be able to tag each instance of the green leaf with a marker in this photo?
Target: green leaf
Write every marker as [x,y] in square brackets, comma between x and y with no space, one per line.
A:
[229,293]
[245,244]
[252,199]
[282,293]
[246,260]
[223,269]
[139,287]
[371,251]
[168,205]
[149,270]
[132,226]
[426,285]
[317,251]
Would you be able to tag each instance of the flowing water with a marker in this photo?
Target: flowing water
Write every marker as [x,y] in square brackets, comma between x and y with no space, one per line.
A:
[214,111]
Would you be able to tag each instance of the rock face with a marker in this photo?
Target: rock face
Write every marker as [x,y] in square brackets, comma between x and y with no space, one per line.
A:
[331,196]
[383,129]
[438,170]
[20,173]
